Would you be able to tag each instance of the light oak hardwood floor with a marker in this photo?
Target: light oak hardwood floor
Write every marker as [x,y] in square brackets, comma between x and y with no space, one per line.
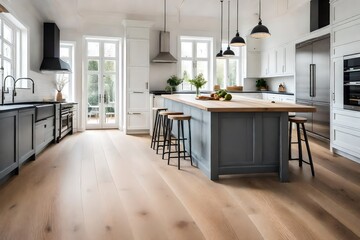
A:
[106,185]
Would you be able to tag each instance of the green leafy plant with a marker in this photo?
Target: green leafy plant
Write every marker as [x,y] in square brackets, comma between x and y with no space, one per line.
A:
[198,82]
[261,83]
[173,82]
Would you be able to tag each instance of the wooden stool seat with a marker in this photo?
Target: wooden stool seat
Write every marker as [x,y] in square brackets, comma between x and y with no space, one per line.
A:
[170,113]
[159,109]
[298,120]
[179,117]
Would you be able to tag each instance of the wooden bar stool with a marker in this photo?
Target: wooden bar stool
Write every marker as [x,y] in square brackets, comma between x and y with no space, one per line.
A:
[157,125]
[300,121]
[180,137]
[163,119]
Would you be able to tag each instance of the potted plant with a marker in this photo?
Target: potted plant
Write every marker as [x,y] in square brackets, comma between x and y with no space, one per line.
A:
[261,84]
[61,81]
[173,82]
[198,82]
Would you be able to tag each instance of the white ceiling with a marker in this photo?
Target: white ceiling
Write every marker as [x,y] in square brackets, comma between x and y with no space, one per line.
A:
[70,13]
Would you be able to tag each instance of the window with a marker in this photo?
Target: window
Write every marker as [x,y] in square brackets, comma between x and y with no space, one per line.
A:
[67,55]
[228,70]
[11,51]
[195,58]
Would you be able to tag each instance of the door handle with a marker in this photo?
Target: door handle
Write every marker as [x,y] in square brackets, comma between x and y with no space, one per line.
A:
[312,80]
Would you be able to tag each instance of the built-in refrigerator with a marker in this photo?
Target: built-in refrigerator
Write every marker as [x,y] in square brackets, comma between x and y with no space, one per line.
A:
[313,83]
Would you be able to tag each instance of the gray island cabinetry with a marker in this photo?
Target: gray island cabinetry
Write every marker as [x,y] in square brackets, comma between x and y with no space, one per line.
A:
[26,135]
[243,135]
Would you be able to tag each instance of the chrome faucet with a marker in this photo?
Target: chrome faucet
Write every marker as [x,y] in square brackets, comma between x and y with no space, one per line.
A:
[14,90]
[3,88]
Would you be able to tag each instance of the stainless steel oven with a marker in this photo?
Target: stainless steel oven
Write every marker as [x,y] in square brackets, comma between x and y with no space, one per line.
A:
[352,82]
[66,119]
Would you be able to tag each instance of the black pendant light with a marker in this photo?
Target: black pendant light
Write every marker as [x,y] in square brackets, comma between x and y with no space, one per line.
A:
[228,52]
[237,41]
[220,54]
[260,31]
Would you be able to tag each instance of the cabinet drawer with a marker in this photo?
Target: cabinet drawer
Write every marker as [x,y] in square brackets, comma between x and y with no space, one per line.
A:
[137,120]
[347,140]
[138,101]
[347,119]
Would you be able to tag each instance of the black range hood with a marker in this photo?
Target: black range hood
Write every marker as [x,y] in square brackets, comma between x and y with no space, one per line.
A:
[51,61]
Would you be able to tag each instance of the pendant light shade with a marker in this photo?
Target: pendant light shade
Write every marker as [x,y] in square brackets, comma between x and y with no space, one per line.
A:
[220,54]
[237,41]
[260,31]
[228,52]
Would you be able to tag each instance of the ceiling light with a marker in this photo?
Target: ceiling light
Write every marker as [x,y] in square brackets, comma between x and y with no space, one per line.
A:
[228,52]
[237,41]
[260,31]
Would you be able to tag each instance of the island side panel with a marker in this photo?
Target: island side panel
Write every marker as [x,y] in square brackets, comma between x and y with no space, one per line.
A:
[200,134]
[284,148]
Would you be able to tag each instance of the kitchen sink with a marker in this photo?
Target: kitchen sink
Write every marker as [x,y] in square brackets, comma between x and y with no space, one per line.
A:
[43,111]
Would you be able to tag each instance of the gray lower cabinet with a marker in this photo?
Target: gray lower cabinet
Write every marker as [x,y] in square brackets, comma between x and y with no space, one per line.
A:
[26,135]
[44,133]
[8,142]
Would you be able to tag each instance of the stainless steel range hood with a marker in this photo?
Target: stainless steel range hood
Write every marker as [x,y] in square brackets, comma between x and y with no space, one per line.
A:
[51,61]
[164,56]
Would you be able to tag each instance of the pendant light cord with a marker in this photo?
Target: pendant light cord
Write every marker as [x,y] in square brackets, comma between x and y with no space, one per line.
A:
[228,23]
[237,15]
[164,15]
[260,10]
[221,27]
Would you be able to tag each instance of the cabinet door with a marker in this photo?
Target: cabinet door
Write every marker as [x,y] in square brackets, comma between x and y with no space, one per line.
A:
[272,62]
[8,142]
[138,78]
[289,61]
[26,134]
[280,60]
[264,63]
[138,101]
[138,53]
[338,92]
[253,66]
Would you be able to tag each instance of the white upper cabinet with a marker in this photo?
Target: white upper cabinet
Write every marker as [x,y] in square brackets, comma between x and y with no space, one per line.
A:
[138,53]
[253,66]
[289,61]
[342,10]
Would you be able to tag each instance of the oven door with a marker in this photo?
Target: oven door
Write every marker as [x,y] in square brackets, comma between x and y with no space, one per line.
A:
[66,121]
[352,96]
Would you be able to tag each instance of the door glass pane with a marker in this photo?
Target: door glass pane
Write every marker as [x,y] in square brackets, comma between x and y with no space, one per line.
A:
[7,51]
[8,33]
[233,69]
[93,49]
[202,50]
[7,68]
[186,49]
[187,73]
[109,98]
[93,98]
[220,72]
[110,65]
[109,50]
[93,65]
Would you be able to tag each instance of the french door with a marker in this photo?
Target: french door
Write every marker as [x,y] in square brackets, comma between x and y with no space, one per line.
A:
[102,78]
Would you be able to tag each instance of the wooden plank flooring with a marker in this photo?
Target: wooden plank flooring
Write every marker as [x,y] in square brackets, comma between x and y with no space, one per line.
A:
[106,185]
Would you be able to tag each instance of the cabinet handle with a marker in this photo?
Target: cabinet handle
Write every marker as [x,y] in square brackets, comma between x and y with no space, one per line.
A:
[134,113]
[138,92]
[45,126]
[147,85]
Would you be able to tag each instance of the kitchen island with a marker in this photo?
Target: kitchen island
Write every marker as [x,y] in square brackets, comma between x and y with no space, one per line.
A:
[243,135]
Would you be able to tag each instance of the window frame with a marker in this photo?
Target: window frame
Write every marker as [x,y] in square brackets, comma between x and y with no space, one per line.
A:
[194,40]
[239,66]
[70,86]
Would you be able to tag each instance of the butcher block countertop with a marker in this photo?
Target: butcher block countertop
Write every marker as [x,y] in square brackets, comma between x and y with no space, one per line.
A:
[239,104]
